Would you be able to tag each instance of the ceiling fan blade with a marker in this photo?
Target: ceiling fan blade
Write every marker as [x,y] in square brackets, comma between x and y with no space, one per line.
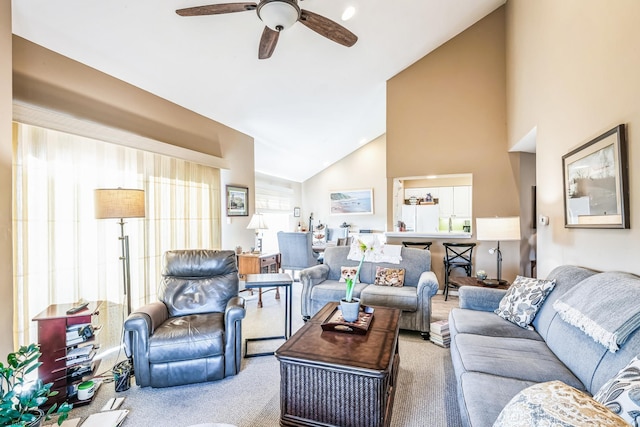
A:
[326,27]
[216,9]
[268,43]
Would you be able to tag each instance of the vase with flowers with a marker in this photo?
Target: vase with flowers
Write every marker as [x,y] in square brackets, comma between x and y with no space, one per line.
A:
[350,306]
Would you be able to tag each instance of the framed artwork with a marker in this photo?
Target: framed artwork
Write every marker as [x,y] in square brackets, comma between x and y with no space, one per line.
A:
[596,184]
[296,212]
[351,202]
[237,201]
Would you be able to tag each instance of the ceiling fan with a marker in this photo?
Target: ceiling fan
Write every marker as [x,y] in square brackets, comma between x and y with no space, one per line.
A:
[278,15]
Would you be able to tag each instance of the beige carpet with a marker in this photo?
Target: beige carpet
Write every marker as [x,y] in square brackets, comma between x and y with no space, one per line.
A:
[425,396]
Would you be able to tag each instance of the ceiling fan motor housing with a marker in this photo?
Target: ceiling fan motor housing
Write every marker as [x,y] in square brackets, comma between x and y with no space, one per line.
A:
[278,14]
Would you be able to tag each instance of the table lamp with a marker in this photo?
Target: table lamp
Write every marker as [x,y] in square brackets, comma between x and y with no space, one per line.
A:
[121,203]
[258,223]
[497,229]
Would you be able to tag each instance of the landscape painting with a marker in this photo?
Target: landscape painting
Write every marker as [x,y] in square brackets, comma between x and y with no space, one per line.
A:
[351,202]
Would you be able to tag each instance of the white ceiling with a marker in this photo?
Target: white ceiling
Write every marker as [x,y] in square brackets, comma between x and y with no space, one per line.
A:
[312,103]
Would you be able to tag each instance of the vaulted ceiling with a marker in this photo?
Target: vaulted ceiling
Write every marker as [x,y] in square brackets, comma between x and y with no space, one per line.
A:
[312,103]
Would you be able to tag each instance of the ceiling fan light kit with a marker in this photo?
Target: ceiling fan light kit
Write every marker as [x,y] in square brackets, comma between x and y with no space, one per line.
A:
[278,14]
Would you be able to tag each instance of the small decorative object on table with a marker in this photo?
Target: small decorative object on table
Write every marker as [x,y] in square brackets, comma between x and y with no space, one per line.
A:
[336,322]
[350,306]
[481,274]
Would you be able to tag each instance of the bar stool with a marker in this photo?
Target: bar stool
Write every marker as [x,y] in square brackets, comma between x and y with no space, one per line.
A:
[457,255]
[418,245]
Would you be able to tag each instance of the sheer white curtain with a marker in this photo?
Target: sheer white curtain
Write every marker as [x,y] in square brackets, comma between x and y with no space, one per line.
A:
[63,254]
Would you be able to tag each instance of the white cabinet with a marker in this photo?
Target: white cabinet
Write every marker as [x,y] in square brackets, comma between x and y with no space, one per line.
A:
[420,218]
[462,201]
[455,201]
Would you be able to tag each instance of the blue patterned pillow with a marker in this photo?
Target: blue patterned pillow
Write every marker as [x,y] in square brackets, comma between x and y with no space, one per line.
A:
[523,299]
[621,394]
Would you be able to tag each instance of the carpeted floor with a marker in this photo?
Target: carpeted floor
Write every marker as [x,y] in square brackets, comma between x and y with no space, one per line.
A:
[425,396]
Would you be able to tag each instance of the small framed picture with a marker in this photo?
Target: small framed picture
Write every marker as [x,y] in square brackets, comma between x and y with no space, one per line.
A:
[296,212]
[237,201]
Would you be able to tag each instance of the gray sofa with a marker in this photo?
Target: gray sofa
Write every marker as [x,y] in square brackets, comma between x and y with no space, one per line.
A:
[320,285]
[493,359]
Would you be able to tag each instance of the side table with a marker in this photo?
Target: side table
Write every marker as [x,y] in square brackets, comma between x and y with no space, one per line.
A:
[472,281]
[250,263]
[270,280]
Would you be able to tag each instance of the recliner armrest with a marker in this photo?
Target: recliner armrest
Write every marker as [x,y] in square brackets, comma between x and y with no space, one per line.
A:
[233,315]
[138,327]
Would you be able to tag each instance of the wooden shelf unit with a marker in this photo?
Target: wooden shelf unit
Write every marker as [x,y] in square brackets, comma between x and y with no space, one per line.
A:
[52,337]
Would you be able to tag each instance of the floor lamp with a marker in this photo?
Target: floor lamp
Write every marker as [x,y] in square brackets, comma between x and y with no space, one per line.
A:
[121,203]
[497,229]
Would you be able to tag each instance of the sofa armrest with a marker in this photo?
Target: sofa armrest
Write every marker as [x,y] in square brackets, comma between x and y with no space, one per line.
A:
[480,299]
[309,277]
[233,315]
[138,327]
[427,285]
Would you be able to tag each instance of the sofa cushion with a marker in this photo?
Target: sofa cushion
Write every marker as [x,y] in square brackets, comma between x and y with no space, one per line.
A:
[404,298]
[188,337]
[519,358]
[621,394]
[523,299]
[333,290]
[484,396]
[389,277]
[464,321]
[554,403]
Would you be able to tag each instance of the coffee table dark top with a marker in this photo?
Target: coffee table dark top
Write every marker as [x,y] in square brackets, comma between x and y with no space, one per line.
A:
[371,352]
[472,281]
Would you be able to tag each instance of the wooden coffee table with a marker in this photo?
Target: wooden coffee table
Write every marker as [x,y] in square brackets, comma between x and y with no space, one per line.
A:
[339,379]
[472,281]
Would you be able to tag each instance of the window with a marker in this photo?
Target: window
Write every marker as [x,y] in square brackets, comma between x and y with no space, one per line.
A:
[65,254]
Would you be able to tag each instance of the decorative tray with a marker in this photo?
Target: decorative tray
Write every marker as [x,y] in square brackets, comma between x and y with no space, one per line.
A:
[336,323]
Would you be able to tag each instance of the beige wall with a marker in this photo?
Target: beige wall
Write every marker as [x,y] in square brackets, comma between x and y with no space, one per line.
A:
[6,241]
[572,70]
[447,114]
[361,169]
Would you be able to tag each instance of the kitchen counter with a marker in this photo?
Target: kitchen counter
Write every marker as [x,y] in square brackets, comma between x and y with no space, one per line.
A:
[432,235]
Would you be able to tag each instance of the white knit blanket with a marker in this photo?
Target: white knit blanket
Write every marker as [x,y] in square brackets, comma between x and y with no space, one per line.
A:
[605,306]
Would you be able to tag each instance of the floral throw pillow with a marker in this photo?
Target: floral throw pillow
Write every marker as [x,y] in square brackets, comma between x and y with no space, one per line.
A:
[621,394]
[348,273]
[389,277]
[523,300]
[557,404]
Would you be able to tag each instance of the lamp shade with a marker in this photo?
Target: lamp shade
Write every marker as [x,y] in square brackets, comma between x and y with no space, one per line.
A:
[498,229]
[119,203]
[278,14]
[257,223]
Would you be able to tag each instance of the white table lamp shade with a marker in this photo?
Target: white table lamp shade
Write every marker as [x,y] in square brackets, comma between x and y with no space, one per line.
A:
[257,223]
[498,229]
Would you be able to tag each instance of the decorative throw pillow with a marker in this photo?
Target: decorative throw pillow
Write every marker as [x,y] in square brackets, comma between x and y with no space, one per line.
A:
[523,299]
[389,277]
[557,404]
[621,394]
[348,272]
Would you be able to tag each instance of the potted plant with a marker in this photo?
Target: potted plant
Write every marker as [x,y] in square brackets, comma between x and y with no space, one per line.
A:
[20,398]
[349,305]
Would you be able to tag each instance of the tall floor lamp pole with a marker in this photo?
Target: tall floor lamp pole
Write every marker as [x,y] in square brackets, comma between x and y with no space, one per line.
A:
[121,203]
